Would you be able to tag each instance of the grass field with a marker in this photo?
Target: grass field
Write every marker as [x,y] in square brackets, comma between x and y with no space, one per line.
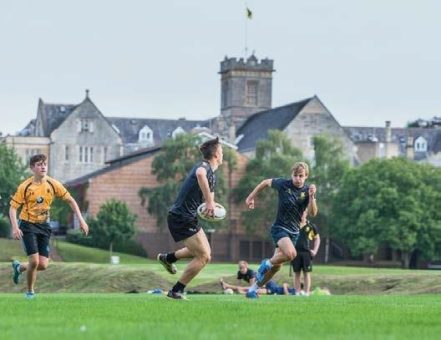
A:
[142,316]
[73,302]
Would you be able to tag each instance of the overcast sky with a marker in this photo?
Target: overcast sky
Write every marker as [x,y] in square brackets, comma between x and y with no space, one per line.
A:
[367,60]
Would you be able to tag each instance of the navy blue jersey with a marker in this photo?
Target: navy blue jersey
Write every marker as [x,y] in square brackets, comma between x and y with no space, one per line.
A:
[190,196]
[292,203]
[250,274]
[274,289]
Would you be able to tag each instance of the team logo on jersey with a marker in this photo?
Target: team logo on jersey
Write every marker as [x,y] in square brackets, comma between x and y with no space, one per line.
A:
[302,195]
[39,200]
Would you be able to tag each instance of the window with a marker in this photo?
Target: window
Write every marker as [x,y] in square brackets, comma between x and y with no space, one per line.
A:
[66,152]
[145,136]
[420,144]
[86,154]
[251,92]
[85,125]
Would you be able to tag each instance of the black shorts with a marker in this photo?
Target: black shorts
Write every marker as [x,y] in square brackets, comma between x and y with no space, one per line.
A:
[182,228]
[303,261]
[36,237]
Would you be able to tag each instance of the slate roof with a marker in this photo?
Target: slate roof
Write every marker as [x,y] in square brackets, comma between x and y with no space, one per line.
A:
[162,128]
[256,127]
[52,115]
[28,130]
[398,135]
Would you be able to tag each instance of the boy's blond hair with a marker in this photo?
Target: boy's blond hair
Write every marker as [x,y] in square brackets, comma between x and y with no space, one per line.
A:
[300,165]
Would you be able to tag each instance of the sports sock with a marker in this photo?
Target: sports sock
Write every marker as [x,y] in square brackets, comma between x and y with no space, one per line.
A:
[253,288]
[171,258]
[178,287]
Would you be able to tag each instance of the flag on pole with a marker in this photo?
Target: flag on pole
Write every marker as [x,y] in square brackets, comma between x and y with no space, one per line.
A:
[249,14]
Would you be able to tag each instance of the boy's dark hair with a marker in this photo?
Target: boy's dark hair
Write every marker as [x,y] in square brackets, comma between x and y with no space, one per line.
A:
[209,147]
[37,158]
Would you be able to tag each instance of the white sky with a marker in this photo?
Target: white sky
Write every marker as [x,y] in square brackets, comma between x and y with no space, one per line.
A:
[368,60]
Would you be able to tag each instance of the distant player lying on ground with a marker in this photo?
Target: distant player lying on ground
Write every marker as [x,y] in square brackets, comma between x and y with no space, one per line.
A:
[271,288]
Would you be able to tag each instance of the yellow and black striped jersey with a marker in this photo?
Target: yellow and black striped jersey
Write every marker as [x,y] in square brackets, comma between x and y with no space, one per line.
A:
[36,198]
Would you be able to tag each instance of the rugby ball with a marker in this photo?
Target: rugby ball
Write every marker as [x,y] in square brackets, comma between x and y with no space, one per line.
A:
[218,214]
[228,291]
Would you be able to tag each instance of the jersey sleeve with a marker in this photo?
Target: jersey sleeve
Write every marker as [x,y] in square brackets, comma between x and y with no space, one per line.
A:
[60,190]
[239,277]
[276,183]
[18,199]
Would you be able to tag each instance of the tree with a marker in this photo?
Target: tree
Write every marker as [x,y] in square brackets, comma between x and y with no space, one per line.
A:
[330,165]
[12,173]
[274,158]
[114,222]
[389,202]
[177,157]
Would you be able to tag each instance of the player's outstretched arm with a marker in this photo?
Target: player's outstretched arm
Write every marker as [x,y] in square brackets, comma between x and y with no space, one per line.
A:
[262,185]
[74,206]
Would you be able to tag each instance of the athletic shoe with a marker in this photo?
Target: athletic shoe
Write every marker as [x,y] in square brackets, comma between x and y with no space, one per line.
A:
[29,295]
[251,294]
[176,295]
[170,267]
[16,273]
[261,271]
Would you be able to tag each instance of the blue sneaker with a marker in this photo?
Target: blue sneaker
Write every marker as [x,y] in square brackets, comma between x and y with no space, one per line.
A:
[261,271]
[16,271]
[29,295]
[251,294]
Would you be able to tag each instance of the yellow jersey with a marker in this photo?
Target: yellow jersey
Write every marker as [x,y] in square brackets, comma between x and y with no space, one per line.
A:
[36,198]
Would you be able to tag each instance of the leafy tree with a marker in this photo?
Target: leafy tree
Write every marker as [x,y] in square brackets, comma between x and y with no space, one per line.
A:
[114,222]
[171,166]
[330,165]
[274,158]
[12,172]
[389,202]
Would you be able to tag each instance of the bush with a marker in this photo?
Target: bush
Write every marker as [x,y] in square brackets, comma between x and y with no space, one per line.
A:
[5,228]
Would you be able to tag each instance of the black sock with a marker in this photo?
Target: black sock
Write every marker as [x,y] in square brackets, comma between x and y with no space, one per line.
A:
[171,258]
[178,287]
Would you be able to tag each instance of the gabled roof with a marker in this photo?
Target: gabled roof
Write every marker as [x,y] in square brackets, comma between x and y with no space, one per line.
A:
[52,115]
[256,127]
[162,128]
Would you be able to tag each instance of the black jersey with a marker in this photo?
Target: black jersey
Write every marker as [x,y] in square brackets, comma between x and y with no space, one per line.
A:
[190,196]
[307,233]
[250,274]
[292,203]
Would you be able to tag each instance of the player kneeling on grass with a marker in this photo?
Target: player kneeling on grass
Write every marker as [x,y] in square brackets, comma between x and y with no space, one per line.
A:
[183,217]
[35,196]
[294,198]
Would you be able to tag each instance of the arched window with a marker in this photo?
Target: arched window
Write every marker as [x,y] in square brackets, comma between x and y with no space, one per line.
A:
[420,144]
[145,136]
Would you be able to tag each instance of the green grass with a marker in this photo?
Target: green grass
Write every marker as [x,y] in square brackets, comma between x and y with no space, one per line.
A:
[70,252]
[137,316]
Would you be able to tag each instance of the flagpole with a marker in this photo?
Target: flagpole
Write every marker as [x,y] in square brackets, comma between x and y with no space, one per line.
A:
[246,30]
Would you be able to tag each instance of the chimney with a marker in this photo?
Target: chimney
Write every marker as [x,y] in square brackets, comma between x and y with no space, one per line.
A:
[388,132]
[409,148]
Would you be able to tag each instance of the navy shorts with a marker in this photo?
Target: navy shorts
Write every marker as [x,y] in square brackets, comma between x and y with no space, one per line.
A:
[278,233]
[36,238]
[182,228]
[303,261]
